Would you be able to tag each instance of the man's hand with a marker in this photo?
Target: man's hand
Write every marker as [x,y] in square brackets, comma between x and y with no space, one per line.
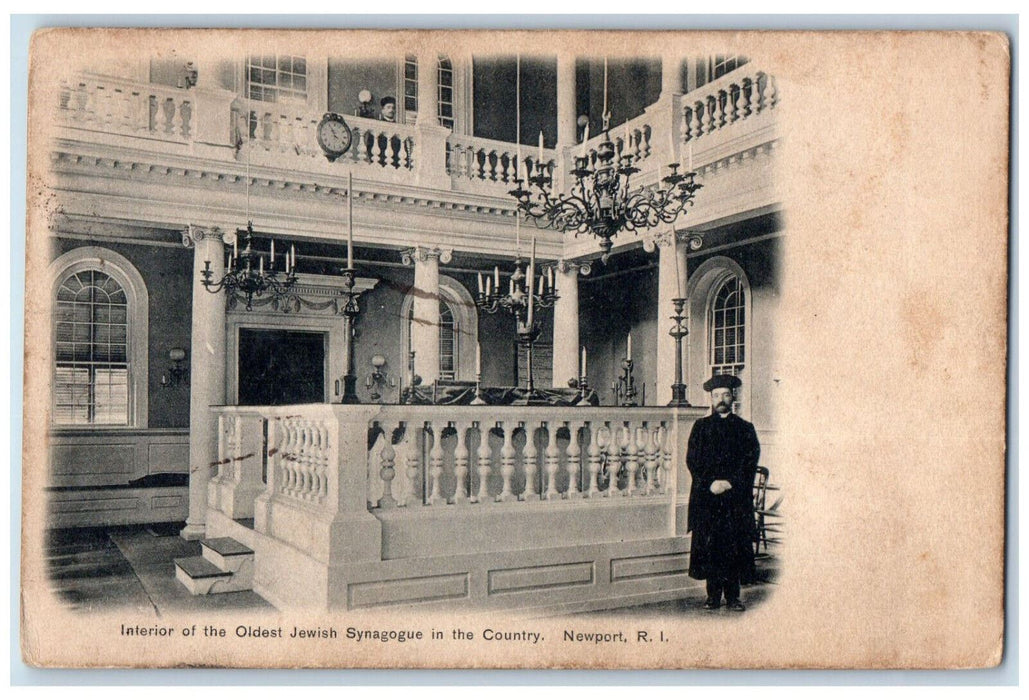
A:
[720,486]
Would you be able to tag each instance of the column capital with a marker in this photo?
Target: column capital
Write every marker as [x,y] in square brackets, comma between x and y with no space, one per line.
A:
[422,253]
[664,239]
[565,266]
[192,235]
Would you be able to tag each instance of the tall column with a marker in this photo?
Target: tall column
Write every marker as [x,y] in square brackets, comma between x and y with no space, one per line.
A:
[425,322]
[671,80]
[566,320]
[566,116]
[671,275]
[428,97]
[206,372]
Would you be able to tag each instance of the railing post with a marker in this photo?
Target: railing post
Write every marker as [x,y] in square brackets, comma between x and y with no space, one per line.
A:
[430,156]
[354,533]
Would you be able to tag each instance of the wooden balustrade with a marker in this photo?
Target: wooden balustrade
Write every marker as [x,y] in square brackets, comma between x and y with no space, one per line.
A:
[732,98]
[531,454]
[632,141]
[121,106]
[485,160]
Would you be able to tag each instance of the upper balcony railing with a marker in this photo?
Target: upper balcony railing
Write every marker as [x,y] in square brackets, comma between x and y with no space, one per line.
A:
[285,136]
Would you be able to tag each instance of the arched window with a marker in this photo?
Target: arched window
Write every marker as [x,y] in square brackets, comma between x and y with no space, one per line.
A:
[727,328]
[99,340]
[444,89]
[448,340]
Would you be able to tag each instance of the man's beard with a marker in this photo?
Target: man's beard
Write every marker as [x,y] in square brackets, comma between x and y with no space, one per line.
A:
[723,407]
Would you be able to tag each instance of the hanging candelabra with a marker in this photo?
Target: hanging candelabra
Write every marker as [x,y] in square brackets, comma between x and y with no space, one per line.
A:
[246,276]
[525,295]
[601,201]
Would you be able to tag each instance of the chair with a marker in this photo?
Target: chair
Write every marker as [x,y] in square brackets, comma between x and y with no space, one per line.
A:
[766,518]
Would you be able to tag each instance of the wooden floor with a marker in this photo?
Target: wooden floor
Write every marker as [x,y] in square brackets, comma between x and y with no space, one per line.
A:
[130,567]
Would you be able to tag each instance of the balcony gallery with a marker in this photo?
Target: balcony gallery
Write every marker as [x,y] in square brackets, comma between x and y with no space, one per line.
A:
[425,302]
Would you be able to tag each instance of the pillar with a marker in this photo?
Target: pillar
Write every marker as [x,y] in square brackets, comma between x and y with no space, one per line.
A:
[671,80]
[206,373]
[671,284]
[566,320]
[428,97]
[566,116]
[425,322]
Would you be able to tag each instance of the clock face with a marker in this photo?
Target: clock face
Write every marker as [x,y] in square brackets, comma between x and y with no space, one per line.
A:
[334,135]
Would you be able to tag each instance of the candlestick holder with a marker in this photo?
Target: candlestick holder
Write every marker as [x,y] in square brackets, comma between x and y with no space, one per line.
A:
[479,399]
[678,331]
[413,380]
[625,388]
[584,391]
[523,294]
[350,311]
[527,336]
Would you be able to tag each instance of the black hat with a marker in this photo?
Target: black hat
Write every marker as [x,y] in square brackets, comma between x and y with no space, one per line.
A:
[387,100]
[722,381]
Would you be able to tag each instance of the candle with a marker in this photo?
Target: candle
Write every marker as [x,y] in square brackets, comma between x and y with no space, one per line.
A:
[582,370]
[541,149]
[585,138]
[628,347]
[480,283]
[478,360]
[496,277]
[532,275]
[550,277]
[489,288]
[272,261]
[260,265]
[543,280]
[350,221]
[235,247]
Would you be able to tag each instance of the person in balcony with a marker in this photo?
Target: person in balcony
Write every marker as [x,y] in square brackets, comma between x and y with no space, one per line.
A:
[722,457]
[388,109]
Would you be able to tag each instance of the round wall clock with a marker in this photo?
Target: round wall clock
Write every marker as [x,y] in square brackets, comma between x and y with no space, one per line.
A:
[334,136]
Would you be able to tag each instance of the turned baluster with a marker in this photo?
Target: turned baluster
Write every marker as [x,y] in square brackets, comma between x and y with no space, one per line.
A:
[323,451]
[614,458]
[734,102]
[459,161]
[666,459]
[376,150]
[685,132]
[484,455]
[412,466]
[712,107]
[306,458]
[650,456]
[461,459]
[552,461]
[773,91]
[761,85]
[507,462]
[747,90]
[723,101]
[183,117]
[436,464]
[387,458]
[288,456]
[698,120]
[631,458]
[529,456]
[594,458]
[643,146]
[574,466]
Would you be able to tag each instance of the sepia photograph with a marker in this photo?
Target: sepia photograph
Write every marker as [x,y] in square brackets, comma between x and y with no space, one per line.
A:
[484,349]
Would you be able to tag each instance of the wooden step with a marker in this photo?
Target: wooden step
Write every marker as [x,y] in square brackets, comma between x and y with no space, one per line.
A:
[226,553]
[201,576]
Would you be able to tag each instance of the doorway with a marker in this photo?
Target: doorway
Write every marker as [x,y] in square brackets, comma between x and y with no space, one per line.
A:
[280,367]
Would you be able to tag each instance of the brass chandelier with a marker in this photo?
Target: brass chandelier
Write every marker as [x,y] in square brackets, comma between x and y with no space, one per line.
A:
[601,201]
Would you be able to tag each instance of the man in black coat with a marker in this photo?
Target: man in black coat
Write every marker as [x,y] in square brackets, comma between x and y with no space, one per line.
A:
[722,458]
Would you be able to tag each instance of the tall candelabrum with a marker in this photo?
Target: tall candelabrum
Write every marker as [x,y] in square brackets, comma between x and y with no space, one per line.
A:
[525,295]
[625,388]
[246,275]
[678,331]
[350,311]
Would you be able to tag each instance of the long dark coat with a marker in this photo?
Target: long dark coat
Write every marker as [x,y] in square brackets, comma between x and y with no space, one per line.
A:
[723,525]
